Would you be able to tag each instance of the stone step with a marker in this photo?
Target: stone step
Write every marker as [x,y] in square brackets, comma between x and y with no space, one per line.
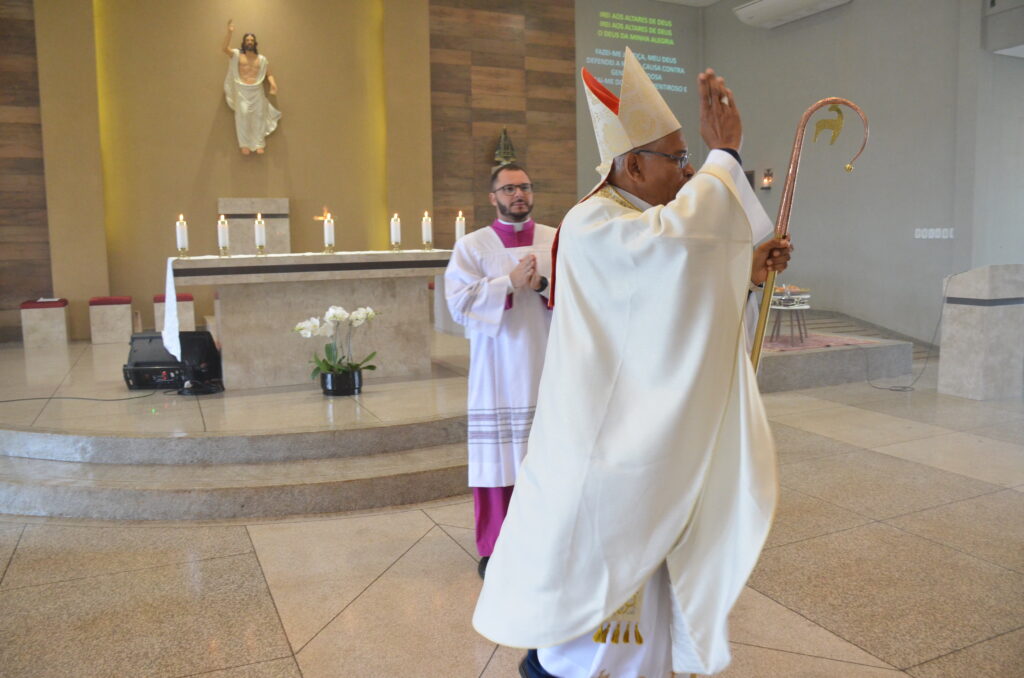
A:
[213,448]
[39,487]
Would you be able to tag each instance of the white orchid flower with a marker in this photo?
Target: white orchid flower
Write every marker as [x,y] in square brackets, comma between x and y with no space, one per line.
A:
[370,313]
[326,329]
[358,317]
[308,328]
[336,315]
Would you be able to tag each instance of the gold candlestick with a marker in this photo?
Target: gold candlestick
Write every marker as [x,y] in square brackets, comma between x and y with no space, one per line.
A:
[183,253]
[224,252]
[428,245]
[261,250]
[329,249]
[396,247]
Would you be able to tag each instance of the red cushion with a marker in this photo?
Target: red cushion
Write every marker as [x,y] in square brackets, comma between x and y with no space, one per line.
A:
[109,301]
[160,298]
[59,303]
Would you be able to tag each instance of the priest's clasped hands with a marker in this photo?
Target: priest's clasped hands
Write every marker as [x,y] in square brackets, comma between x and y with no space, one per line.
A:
[525,273]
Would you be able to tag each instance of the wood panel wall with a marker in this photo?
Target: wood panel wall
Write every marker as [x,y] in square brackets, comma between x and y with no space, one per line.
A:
[493,65]
[24,240]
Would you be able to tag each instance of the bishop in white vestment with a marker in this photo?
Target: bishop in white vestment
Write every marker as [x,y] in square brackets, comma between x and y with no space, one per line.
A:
[507,326]
[649,485]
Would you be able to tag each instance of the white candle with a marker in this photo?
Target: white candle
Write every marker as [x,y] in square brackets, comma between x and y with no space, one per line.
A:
[181,231]
[460,226]
[261,231]
[223,238]
[328,231]
[428,229]
[396,231]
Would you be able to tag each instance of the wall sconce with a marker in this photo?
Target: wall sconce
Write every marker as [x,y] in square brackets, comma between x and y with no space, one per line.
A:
[767,180]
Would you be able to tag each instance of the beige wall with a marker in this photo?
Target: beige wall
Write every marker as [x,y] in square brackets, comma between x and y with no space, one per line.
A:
[167,136]
[65,48]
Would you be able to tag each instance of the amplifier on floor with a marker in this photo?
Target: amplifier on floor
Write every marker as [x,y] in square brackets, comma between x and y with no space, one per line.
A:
[150,366]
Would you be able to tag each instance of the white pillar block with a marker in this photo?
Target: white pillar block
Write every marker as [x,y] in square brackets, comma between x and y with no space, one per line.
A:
[110,323]
[44,326]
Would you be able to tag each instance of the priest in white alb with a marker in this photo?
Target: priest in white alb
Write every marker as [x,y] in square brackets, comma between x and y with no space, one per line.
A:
[496,285]
[649,484]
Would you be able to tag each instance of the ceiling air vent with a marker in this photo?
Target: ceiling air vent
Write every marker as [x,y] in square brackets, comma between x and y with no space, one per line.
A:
[772,13]
[1004,27]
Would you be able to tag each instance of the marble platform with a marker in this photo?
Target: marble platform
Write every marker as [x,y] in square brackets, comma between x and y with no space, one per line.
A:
[74,442]
[814,367]
[83,446]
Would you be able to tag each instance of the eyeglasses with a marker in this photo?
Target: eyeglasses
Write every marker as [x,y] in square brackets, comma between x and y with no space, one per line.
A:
[510,189]
[681,160]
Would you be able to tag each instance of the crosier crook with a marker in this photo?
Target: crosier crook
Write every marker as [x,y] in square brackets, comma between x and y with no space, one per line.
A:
[786,206]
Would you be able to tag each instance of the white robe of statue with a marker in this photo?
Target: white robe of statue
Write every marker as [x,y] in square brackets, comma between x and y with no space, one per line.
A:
[255,117]
[650,447]
[506,348]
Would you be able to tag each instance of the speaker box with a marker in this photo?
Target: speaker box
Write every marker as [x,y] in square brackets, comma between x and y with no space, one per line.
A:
[150,366]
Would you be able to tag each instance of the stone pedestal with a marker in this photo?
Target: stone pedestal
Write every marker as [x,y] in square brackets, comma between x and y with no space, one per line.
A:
[110,320]
[241,217]
[44,323]
[186,313]
[982,347]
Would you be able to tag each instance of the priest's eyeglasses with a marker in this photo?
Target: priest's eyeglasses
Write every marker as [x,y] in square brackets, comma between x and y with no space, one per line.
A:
[681,160]
[510,189]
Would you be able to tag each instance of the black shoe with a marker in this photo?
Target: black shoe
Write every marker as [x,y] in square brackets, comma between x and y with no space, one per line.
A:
[530,667]
[481,567]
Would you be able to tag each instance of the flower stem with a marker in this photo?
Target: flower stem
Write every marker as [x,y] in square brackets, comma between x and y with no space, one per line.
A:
[349,344]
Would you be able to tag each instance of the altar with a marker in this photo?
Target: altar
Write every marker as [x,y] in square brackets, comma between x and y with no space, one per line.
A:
[261,298]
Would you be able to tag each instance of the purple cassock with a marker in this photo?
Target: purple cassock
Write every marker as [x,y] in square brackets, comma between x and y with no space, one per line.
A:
[491,503]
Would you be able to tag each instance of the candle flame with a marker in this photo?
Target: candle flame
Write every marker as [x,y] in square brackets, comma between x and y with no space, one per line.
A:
[328,215]
[181,217]
[460,214]
[425,215]
[259,215]
[396,216]
[222,217]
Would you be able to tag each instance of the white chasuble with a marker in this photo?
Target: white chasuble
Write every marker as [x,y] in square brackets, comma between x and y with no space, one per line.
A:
[255,117]
[506,348]
[650,445]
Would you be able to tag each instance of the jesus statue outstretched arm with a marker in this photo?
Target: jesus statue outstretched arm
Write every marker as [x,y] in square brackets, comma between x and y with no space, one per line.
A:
[227,38]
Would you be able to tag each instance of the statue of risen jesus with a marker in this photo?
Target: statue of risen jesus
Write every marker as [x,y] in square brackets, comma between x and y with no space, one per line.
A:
[255,118]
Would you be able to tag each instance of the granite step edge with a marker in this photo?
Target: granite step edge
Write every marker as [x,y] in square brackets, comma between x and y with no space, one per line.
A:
[15,471]
[64,497]
[176,450]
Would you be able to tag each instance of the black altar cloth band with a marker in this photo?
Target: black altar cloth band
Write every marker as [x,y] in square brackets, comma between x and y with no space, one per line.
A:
[964,301]
[252,215]
[309,268]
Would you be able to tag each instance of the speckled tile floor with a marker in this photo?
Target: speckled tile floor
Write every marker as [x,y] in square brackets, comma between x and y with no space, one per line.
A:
[898,550]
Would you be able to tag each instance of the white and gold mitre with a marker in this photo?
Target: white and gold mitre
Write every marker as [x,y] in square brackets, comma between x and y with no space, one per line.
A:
[638,116]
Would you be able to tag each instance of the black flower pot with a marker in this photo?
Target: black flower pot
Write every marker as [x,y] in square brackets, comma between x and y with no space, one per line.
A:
[342,384]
